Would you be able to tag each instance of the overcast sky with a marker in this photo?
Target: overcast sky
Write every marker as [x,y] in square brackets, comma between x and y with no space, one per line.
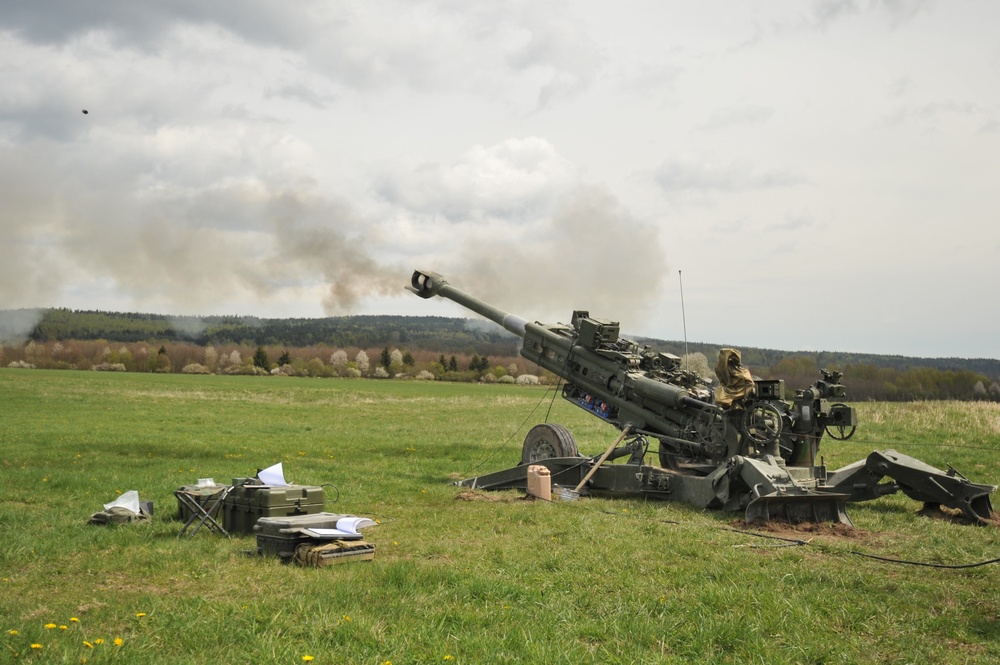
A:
[822,175]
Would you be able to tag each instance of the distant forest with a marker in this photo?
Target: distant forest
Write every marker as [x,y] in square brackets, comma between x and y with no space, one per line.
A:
[424,346]
[431,332]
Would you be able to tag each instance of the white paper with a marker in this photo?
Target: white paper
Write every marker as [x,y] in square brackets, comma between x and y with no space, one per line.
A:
[347,528]
[129,501]
[334,534]
[352,524]
[273,475]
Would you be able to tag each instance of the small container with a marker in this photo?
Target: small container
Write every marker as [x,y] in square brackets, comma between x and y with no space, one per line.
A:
[540,482]
[560,493]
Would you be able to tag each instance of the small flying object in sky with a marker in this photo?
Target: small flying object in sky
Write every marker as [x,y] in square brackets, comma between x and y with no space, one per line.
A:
[85,111]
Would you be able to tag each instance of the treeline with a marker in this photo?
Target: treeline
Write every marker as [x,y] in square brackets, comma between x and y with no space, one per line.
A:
[422,347]
[868,382]
[318,361]
[364,331]
[756,357]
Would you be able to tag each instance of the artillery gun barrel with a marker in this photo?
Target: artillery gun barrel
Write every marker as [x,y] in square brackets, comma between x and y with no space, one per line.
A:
[641,401]
[428,284]
[669,394]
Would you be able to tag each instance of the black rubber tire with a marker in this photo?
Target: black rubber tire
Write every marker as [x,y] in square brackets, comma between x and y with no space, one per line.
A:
[546,441]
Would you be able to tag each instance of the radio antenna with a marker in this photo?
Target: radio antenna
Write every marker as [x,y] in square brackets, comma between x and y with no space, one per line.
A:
[683,317]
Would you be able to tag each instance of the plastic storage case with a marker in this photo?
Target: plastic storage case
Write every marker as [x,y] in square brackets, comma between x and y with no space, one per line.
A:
[279,536]
[246,504]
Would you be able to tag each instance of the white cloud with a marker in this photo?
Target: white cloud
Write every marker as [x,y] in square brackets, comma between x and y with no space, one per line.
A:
[738,176]
[247,158]
[517,180]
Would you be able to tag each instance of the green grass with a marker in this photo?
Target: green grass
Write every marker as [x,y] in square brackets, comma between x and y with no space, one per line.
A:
[491,580]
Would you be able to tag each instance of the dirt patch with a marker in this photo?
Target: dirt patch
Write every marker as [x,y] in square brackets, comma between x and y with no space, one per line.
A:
[956,516]
[86,607]
[492,497]
[797,531]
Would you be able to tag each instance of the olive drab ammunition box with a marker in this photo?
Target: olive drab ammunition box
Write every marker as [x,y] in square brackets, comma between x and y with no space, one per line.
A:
[280,536]
[246,504]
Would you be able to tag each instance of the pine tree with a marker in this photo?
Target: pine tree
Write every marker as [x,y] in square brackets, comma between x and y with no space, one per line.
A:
[261,360]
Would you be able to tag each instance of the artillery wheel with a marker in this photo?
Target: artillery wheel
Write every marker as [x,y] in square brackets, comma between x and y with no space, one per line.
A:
[762,424]
[840,432]
[669,459]
[546,441]
[711,432]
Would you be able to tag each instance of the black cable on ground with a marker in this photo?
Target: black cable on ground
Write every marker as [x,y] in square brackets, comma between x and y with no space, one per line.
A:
[928,565]
[335,489]
[509,438]
[799,542]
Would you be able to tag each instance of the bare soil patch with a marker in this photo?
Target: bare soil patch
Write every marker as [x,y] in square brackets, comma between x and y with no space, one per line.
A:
[492,497]
[799,530]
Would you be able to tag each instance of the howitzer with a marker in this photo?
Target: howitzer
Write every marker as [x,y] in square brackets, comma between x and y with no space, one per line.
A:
[740,446]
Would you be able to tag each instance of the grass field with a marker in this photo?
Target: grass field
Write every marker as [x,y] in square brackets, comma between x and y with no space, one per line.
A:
[457,578]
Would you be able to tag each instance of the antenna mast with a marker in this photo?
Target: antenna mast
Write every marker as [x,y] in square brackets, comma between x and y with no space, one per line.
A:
[683,316]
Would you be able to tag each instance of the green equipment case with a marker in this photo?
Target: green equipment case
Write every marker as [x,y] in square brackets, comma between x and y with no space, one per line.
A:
[246,504]
[280,536]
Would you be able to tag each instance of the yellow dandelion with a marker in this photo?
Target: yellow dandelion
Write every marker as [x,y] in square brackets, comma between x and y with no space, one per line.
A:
[449,657]
[99,640]
[36,645]
[64,627]
[119,641]
[347,618]
[74,620]
[88,644]
[12,632]
[140,614]
[49,626]
[307,658]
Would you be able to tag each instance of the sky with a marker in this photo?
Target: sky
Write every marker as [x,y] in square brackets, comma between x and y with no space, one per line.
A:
[762,173]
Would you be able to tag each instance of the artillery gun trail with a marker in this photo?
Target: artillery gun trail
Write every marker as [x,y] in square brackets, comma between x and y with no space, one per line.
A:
[741,446]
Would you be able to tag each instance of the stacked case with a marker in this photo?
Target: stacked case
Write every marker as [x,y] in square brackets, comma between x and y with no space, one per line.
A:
[246,504]
[282,536]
